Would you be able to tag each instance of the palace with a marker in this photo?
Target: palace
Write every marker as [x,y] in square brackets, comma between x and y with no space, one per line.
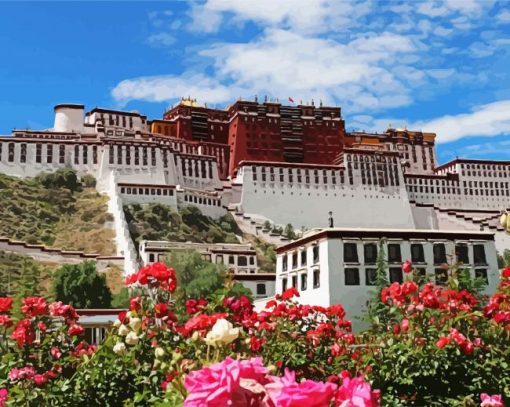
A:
[265,162]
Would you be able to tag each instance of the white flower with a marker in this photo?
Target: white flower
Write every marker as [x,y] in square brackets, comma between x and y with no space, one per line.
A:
[222,332]
[119,348]
[502,220]
[117,323]
[132,338]
[135,323]
[159,352]
[123,330]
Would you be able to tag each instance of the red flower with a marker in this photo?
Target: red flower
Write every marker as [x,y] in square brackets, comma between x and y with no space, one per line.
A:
[256,343]
[55,352]
[76,329]
[160,310]
[135,304]
[442,342]
[5,304]
[289,293]
[156,275]
[58,309]
[506,272]
[34,306]
[5,321]
[405,325]
[407,267]
[23,333]
[39,380]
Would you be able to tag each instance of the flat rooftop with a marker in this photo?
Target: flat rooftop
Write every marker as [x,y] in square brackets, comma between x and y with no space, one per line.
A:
[405,234]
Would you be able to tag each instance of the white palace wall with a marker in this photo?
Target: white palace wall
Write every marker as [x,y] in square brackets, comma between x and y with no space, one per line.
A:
[308,203]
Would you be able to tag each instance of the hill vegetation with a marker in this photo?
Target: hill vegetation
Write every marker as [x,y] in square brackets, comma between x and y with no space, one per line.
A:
[57,210]
[188,224]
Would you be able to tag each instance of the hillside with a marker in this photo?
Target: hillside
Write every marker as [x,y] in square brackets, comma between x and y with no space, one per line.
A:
[160,222]
[56,210]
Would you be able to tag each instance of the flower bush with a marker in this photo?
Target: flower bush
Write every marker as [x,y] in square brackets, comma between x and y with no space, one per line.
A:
[435,346]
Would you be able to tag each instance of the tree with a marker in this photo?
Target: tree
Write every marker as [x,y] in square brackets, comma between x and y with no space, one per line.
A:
[288,232]
[377,312]
[198,278]
[81,286]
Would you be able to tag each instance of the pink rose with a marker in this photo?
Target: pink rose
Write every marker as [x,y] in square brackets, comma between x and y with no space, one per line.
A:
[3,396]
[356,393]
[230,382]
[491,401]
[285,392]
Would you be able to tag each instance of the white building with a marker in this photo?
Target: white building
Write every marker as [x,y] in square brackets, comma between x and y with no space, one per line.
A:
[240,259]
[331,266]
[387,180]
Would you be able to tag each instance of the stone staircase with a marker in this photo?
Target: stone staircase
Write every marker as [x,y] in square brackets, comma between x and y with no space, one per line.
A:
[254,226]
[466,220]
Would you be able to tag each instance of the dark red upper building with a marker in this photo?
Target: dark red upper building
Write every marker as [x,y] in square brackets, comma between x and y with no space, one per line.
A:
[256,131]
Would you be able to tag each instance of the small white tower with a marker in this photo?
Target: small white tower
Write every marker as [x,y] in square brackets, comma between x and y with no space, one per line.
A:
[69,118]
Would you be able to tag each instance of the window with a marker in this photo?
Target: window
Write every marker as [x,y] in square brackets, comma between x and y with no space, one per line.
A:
[350,253]
[370,276]
[144,155]
[137,159]
[370,251]
[284,262]
[231,260]
[219,259]
[23,156]
[294,260]
[439,253]
[394,254]
[396,275]
[110,152]
[76,154]
[351,276]
[85,154]
[241,261]
[49,153]
[315,254]
[303,258]
[316,278]
[417,254]
[38,153]
[304,281]
[61,154]
[11,152]
[94,154]
[261,289]
[153,158]
[284,284]
[119,155]
[482,274]
[479,254]
[441,276]
[151,258]
[461,250]
[294,281]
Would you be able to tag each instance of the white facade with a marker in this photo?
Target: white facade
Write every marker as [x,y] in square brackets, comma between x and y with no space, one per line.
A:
[334,266]
[372,195]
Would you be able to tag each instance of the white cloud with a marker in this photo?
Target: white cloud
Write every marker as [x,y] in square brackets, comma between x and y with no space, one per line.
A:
[166,88]
[486,120]
[503,17]
[298,15]
[161,40]
[358,74]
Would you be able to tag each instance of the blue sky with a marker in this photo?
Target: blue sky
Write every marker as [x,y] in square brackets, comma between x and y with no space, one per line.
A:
[434,65]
